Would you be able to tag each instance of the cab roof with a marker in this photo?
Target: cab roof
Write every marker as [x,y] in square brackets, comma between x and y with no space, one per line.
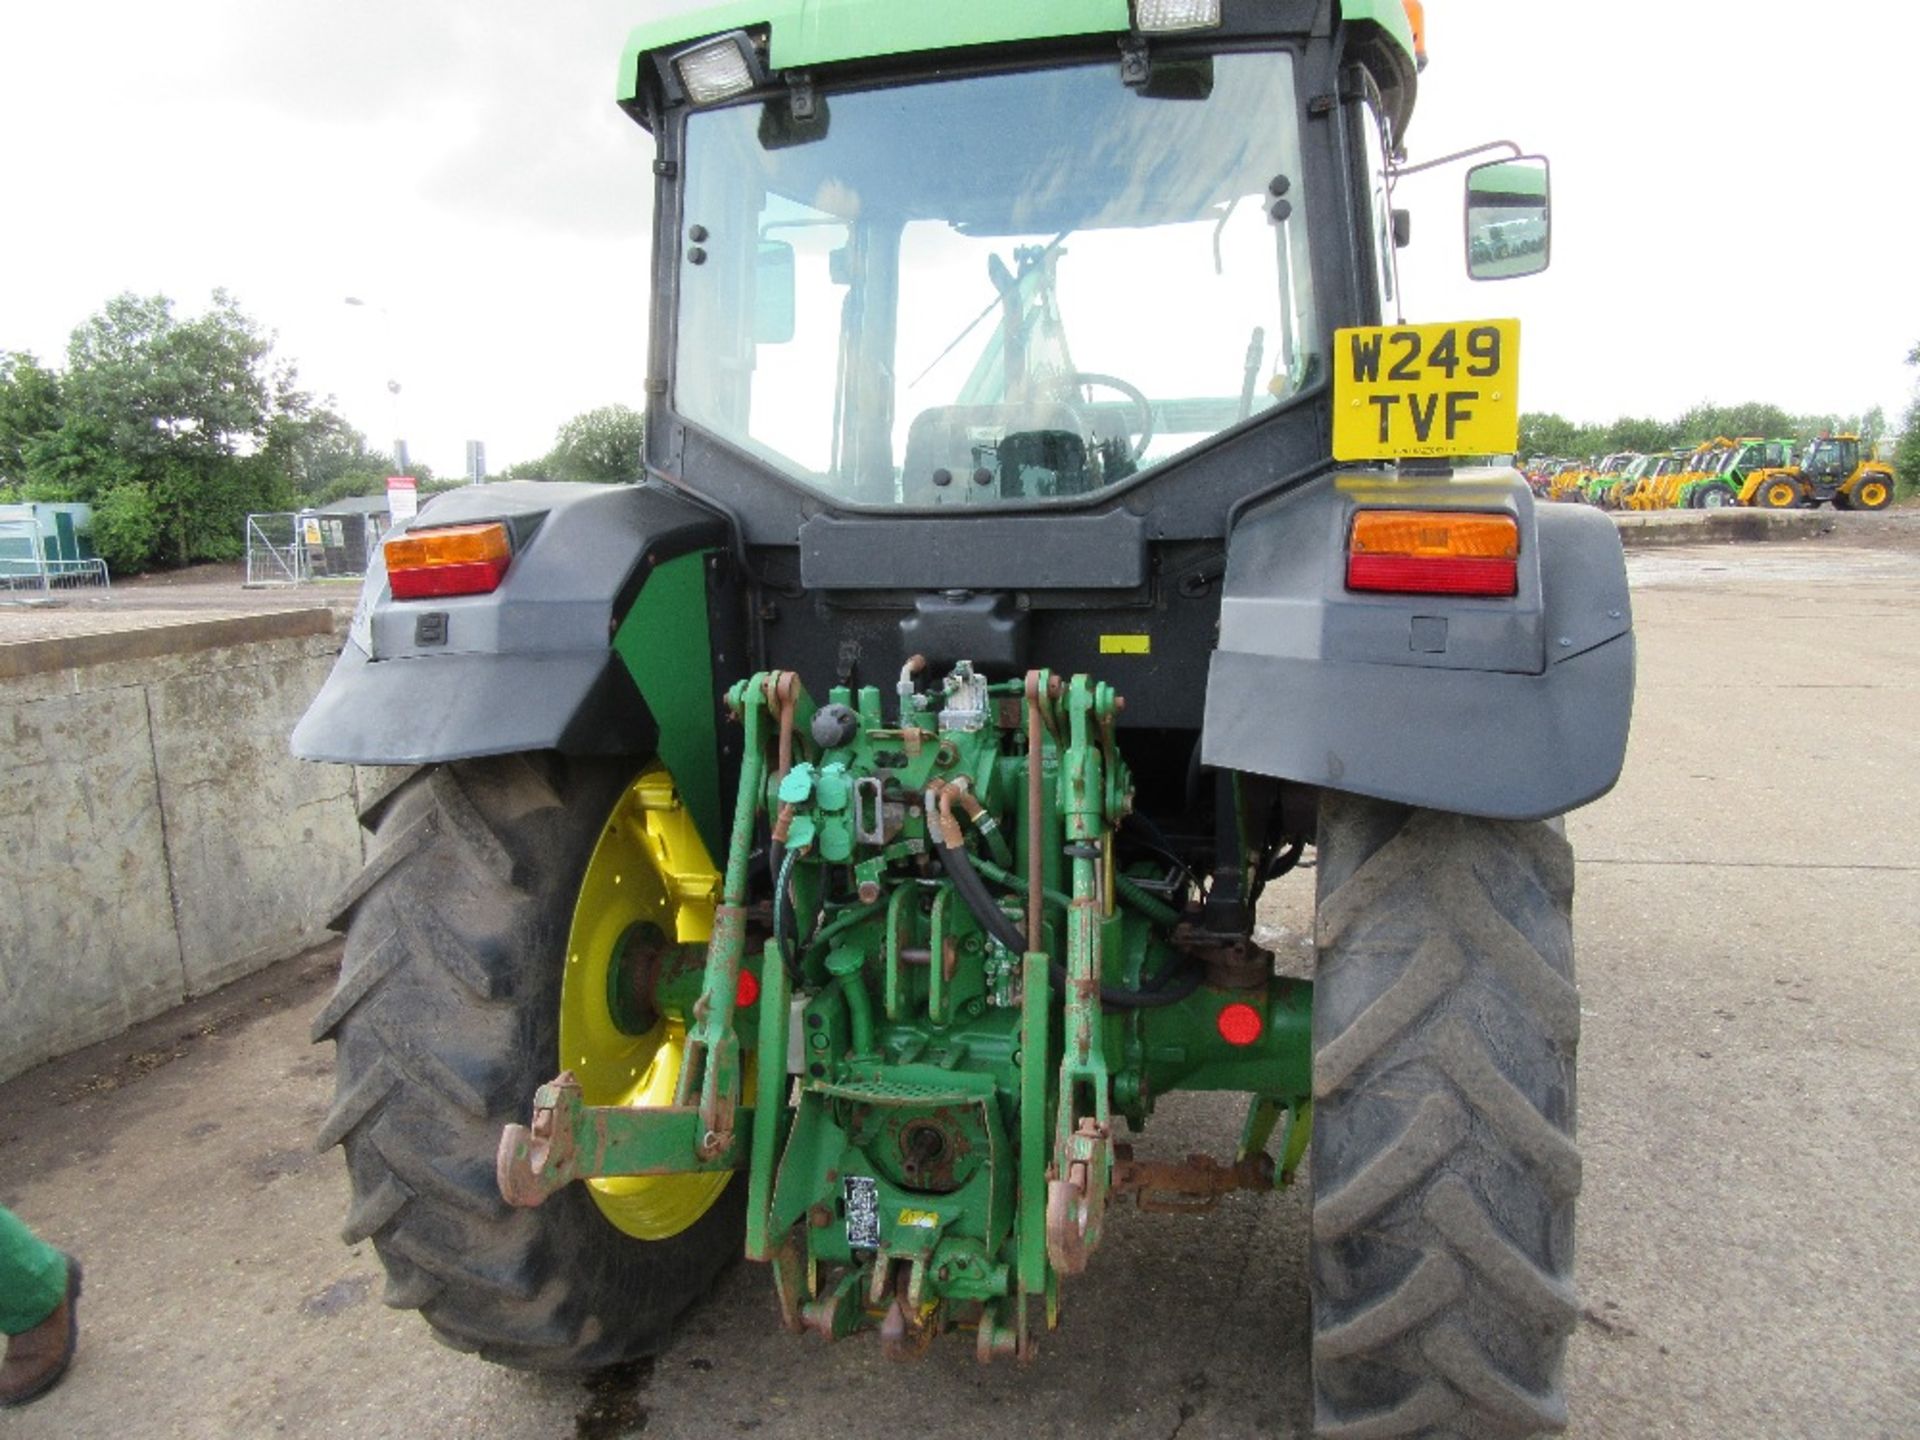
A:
[802,33]
[820,32]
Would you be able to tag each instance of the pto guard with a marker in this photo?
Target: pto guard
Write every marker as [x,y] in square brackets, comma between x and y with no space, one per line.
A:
[526,667]
[1513,709]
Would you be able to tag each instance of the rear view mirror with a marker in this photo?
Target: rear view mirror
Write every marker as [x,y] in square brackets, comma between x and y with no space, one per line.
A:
[773,294]
[1508,230]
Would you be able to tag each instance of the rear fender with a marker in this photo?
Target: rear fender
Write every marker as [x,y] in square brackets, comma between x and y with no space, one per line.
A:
[1507,708]
[531,666]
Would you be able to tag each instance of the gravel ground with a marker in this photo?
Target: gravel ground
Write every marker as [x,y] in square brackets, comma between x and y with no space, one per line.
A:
[1750,1236]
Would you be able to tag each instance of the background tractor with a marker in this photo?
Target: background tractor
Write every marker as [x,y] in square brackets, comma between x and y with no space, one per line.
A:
[1050,535]
[1835,469]
[1740,474]
[1839,470]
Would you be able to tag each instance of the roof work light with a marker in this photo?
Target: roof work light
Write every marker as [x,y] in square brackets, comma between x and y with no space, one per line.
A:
[1161,16]
[715,69]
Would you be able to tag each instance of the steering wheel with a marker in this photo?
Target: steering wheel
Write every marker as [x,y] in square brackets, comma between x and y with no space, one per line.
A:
[1142,406]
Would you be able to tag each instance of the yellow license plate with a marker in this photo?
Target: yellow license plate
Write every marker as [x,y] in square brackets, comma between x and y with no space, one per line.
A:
[1426,390]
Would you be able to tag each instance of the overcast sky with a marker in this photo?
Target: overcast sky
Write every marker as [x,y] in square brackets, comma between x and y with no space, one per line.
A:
[1732,219]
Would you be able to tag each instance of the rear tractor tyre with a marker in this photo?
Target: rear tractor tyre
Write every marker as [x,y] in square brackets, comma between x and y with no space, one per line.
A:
[1715,497]
[445,1020]
[1444,1167]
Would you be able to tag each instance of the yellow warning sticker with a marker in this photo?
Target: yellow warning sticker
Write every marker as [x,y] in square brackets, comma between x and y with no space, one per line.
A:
[921,1219]
[1126,644]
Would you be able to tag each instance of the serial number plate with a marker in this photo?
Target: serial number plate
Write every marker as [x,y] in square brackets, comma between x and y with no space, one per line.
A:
[1426,390]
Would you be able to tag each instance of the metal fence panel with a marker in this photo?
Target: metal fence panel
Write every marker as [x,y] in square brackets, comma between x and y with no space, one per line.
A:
[291,547]
[26,572]
[275,555]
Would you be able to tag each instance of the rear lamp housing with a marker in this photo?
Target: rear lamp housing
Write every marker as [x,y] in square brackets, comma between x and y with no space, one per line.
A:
[450,560]
[1158,17]
[1434,552]
[715,69]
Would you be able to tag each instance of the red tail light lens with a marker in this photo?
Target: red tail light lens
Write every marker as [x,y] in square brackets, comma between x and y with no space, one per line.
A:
[454,560]
[1434,552]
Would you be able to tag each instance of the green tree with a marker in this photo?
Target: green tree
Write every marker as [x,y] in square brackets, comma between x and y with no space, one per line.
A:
[126,524]
[29,413]
[1906,454]
[1642,435]
[602,445]
[1707,422]
[195,416]
[325,458]
[1543,433]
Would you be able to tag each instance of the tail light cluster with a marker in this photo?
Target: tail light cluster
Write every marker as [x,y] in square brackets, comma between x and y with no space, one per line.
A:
[1434,552]
[452,560]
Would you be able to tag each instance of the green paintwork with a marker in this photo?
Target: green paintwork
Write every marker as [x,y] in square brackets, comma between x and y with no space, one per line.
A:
[1389,15]
[940,1084]
[1182,1048]
[665,646]
[711,1072]
[820,32]
[591,1140]
[1036,1018]
[763,1242]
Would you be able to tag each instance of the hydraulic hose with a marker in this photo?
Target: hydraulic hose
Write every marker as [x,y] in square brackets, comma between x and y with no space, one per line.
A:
[784,923]
[1151,906]
[999,875]
[845,920]
[973,893]
[967,883]
[1131,894]
[984,825]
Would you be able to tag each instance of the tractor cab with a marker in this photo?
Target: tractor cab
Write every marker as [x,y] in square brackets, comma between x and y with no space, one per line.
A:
[1832,459]
[952,292]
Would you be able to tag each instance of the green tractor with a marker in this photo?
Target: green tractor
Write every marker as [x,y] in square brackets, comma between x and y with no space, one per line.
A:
[829,848]
[1732,471]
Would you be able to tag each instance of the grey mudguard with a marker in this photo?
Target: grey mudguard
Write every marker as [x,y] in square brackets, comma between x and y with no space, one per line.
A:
[528,667]
[1511,708]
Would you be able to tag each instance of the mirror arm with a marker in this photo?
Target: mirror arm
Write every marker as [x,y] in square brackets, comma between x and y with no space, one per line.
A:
[1513,151]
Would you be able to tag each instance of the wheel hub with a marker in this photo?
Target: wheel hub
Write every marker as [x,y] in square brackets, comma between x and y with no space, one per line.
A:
[643,918]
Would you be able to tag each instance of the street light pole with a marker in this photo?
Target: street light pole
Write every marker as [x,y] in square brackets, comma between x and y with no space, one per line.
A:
[400,457]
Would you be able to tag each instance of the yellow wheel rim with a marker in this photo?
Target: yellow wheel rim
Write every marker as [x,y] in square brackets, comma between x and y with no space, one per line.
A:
[1873,494]
[1781,496]
[649,886]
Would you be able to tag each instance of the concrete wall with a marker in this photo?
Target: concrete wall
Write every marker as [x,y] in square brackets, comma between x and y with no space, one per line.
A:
[156,838]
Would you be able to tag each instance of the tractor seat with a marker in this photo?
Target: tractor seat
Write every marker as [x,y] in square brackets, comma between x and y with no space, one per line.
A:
[1029,451]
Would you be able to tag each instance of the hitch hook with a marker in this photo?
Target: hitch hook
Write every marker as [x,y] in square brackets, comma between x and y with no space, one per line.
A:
[534,1161]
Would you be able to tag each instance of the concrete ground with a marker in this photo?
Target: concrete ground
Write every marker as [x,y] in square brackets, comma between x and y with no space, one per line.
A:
[199,593]
[1750,1233]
